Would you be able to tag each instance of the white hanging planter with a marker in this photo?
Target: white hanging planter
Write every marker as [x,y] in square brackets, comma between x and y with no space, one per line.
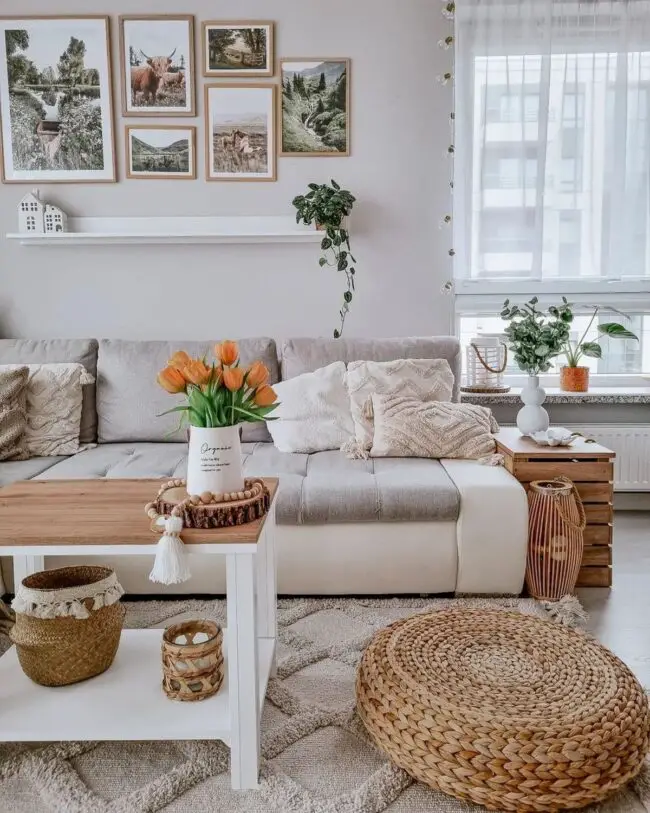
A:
[532,417]
[214,460]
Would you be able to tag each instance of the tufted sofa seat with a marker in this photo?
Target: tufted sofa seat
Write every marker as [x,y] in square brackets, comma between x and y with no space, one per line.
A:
[396,525]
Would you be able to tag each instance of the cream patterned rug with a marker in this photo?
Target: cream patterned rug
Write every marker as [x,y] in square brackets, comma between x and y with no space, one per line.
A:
[316,758]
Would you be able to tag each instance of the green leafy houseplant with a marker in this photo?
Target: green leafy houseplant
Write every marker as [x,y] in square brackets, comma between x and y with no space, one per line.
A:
[325,206]
[537,336]
[534,336]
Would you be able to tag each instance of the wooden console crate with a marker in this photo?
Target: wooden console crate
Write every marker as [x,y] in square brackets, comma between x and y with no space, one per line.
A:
[591,467]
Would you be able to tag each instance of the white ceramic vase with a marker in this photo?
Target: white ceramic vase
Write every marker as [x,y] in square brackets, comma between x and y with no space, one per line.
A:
[214,460]
[532,417]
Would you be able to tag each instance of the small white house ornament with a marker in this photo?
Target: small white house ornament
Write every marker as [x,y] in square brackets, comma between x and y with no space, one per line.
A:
[35,217]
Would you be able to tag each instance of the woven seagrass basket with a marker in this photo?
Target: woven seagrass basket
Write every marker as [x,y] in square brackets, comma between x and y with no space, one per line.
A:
[68,624]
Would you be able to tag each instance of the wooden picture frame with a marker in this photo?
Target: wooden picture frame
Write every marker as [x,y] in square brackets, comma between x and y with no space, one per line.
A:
[292,130]
[157,81]
[240,54]
[167,174]
[44,140]
[239,135]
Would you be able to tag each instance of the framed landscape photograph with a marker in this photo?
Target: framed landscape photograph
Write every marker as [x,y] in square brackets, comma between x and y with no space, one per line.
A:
[240,132]
[238,48]
[315,107]
[160,151]
[55,100]
[157,62]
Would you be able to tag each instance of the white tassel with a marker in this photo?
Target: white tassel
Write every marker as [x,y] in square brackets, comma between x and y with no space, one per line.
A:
[170,566]
[354,450]
[86,378]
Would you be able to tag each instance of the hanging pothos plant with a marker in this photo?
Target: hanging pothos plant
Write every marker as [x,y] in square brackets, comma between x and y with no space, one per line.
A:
[325,206]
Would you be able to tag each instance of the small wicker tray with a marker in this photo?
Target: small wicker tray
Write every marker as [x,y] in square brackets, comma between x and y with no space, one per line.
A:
[487,390]
[214,514]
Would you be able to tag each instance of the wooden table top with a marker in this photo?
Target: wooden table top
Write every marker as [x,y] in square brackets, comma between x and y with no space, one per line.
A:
[98,512]
[510,440]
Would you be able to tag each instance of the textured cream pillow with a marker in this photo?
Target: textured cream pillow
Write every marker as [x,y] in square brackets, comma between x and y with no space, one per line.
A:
[408,427]
[13,414]
[54,398]
[314,411]
[424,379]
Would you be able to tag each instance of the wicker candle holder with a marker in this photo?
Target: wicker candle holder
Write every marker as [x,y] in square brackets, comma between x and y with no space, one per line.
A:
[556,521]
[192,670]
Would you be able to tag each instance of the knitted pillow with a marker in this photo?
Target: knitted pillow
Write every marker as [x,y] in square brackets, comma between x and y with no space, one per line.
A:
[13,414]
[409,427]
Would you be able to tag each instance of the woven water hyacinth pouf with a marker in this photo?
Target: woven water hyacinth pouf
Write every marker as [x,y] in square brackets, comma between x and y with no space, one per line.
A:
[503,710]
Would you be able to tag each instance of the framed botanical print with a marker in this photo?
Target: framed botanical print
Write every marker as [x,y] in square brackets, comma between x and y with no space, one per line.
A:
[56,100]
[238,48]
[157,63]
[240,132]
[315,107]
[160,151]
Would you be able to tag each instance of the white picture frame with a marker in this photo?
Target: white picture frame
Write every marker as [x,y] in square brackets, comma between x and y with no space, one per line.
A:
[57,114]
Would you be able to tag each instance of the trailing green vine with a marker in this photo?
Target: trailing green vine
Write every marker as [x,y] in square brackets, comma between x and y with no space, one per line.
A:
[326,206]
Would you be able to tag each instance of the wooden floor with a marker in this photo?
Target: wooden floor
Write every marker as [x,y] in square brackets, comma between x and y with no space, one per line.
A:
[620,617]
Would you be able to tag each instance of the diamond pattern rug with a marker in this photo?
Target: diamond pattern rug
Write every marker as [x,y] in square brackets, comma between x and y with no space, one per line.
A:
[316,757]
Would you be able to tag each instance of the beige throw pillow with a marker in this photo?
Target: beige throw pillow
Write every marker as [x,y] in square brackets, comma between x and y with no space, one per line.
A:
[424,379]
[54,399]
[13,414]
[408,427]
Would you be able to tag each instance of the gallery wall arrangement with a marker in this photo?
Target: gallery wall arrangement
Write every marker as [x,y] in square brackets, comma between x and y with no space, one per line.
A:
[57,122]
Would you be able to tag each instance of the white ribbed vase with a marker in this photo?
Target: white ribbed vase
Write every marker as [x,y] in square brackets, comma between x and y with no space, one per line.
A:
[532,417]
[214,460]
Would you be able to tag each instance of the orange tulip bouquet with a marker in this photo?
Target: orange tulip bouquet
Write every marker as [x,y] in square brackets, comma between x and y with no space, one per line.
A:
[219,396]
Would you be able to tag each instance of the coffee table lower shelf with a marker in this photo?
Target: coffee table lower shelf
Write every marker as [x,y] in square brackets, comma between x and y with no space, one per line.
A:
[124,703]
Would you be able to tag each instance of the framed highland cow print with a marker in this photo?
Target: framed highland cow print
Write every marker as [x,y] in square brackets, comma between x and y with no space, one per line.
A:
[238,48]
[157,63]
[240,132]
[55,99]
[315,109]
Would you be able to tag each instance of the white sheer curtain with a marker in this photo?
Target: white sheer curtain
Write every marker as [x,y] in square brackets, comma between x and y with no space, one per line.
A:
[552,135]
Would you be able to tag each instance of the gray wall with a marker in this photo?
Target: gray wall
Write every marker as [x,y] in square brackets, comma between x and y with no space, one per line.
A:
[398,170]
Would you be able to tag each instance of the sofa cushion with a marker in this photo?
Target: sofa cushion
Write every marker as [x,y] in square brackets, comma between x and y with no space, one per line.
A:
[56,351]
[306,355]
[129,400]
[13,470]
[314,489]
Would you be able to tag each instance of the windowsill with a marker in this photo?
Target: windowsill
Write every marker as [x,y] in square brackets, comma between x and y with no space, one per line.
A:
[596,395]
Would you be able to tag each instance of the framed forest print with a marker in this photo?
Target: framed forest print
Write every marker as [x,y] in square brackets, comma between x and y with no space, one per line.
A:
[157,63]
[55,99]
[238,48]
[160,151]
[315,107]
[240,132]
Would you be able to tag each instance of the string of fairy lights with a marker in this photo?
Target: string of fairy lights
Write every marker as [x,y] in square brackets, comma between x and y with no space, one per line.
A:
[446,43]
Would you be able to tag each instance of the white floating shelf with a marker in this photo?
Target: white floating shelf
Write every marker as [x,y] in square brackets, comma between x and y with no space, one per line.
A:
[96,231]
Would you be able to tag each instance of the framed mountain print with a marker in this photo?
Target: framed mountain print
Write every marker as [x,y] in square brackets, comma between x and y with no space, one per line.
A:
[315,111]
[55,99]
[162,151]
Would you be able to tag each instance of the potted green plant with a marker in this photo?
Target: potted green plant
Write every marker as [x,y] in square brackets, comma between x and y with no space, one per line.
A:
[573,376]
[535,337]
[326,206]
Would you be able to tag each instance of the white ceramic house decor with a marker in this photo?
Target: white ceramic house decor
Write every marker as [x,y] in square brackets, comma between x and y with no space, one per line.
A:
[35,217]
[30,214]
[532,417]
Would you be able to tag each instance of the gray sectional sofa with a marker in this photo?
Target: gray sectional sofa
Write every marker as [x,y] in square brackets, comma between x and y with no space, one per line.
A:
[344,526]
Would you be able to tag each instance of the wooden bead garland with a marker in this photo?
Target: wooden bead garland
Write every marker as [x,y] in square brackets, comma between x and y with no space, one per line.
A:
[210,510]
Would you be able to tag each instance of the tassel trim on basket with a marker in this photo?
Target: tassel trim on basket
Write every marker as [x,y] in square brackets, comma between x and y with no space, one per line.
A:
[67,602]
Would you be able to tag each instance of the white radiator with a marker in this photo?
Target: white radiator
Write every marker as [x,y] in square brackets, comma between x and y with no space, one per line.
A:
[631,442]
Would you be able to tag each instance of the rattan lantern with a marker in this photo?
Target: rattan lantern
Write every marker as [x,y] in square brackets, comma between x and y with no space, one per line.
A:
[192,657]
[487,359]
[556,522]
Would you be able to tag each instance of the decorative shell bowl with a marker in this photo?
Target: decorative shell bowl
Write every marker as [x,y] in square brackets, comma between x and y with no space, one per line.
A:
[557,436]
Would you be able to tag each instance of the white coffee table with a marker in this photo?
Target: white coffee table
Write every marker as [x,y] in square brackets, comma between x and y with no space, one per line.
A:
[106,517]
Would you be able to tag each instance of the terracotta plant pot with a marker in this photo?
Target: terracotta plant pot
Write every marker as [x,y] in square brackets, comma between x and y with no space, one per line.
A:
[574,379]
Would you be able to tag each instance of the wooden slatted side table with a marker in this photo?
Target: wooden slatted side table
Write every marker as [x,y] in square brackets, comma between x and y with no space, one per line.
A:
[591,467]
